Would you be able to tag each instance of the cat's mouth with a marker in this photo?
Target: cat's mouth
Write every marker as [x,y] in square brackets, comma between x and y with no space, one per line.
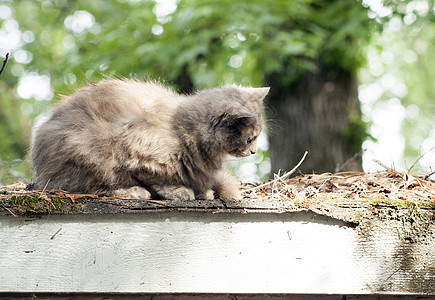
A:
[240,154]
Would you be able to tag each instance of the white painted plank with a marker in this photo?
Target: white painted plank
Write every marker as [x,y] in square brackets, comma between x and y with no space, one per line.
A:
[202,252]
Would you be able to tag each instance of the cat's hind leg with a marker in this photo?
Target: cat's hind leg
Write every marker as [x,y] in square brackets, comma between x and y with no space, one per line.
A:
[174,192]
[135,192]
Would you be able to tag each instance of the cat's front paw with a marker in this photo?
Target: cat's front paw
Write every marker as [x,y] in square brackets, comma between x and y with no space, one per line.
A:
[227,186]
[183,193]
[230,194]
[207,195]
[134,192]
[174,192]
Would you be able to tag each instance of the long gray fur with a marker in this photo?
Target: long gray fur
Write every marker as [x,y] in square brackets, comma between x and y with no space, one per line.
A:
[138,139]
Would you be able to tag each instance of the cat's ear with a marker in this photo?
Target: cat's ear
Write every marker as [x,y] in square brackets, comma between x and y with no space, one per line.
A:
[240,118]
[258,94]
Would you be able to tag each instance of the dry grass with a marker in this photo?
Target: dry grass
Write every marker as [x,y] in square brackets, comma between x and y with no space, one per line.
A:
[389,187]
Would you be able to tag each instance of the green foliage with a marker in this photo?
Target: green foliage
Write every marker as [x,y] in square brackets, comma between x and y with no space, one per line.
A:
[205,36]
[200,44]
[419,78]
[403,70]
[242,41]
[14,171]
[12,124]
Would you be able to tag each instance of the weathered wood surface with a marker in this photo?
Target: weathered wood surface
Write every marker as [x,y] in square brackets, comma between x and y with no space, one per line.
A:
[131,246]
[205,296]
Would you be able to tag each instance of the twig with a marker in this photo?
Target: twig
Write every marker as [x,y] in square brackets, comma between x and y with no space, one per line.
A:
[387,168]
[4,63]
[287,175]
[391,275]
[423,154]
[429,175]
[282,178]
[45,187]
[163,203]
[52,237]
[348,161]
[9,211]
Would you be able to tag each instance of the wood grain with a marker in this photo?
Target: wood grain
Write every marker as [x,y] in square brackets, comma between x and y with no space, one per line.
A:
[203,252]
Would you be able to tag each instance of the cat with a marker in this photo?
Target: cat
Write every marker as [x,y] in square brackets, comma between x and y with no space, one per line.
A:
[138,139]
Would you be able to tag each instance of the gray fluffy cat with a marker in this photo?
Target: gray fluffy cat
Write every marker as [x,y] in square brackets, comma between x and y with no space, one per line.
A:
[140,140]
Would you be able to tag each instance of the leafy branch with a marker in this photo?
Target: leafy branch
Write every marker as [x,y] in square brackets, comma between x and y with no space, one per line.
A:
[4,63]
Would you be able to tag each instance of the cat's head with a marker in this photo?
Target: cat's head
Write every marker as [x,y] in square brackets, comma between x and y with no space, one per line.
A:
[238,122]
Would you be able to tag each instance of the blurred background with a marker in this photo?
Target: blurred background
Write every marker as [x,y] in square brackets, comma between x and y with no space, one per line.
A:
[351,81]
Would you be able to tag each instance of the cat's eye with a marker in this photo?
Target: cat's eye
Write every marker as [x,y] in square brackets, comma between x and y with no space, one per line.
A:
[249,140]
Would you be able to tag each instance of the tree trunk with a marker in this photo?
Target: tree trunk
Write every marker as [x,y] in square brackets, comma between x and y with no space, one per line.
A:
[319,113]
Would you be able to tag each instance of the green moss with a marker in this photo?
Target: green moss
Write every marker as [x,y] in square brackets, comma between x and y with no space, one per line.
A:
[82,200]
[45,204]
[427,204]
[382,201]
[36,204]
[303,203]
[396,203]
[75,206]
[374,201]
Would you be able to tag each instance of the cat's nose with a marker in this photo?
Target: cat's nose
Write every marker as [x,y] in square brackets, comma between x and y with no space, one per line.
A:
[253,151]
